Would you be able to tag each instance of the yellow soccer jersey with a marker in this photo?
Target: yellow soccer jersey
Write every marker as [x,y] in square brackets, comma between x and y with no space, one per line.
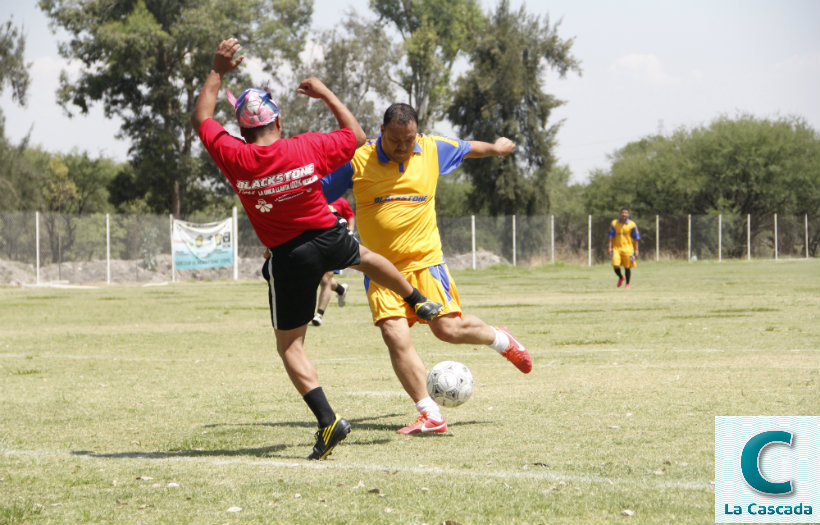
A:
[395,203]
[623,233]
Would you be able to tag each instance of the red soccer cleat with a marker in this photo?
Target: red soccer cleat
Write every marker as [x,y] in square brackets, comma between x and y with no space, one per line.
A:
[424,425]
[620,282]
[516,353]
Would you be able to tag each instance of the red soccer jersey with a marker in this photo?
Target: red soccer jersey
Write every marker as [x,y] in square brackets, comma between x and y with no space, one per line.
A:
[342,207]
[279,184]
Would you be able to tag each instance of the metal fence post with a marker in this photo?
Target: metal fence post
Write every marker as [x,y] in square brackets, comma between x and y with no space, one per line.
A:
[552,238]
[657,239]
[173,266]
[235,234]
[589,239]
[472,234]
[513,239]
[806,229]
[37,243]
[108,248]
[720,237]
[689,238]
[775,237]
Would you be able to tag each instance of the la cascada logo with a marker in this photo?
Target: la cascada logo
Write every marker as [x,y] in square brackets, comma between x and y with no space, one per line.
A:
[750,462]
[767,469]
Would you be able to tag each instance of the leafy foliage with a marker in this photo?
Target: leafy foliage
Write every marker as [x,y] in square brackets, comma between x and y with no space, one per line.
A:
[13,70]
[145,59]
[503,95]
[734,166]
[432,34]
[347,63]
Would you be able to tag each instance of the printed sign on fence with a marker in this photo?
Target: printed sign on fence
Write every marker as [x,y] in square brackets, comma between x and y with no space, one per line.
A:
[203,245]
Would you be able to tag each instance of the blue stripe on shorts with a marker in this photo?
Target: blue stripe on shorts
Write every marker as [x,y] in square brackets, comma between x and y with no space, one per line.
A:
[441,276]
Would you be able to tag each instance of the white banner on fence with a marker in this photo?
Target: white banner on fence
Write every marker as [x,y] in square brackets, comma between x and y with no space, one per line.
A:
[203,245]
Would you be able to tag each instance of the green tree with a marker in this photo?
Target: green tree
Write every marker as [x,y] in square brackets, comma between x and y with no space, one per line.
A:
[13,69]
[144,60]
[13,74]
[735,166]
[503,95]
[432,33]
[345,60]
[91,178]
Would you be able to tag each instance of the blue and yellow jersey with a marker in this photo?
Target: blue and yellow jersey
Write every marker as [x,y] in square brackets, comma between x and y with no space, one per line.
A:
[395,203]
[623,233]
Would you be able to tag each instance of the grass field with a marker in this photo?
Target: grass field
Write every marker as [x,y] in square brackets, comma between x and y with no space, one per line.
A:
[126,404]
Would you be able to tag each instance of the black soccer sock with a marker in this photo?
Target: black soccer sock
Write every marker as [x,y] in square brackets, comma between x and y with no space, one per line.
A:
[319,405]
[628,274]
[415,298]
[618,272]
[320,311]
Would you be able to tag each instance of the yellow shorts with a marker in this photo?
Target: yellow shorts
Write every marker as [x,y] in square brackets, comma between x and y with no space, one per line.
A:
[625,259]
[435,283]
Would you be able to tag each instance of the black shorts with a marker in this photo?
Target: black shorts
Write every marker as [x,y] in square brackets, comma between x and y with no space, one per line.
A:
[295,270]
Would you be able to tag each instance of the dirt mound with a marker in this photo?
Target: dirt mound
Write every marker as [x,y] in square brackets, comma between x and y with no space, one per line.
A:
[95,272]
[483,260]
[14,273]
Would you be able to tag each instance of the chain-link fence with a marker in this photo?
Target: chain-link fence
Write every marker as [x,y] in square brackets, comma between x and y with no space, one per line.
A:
[50,247]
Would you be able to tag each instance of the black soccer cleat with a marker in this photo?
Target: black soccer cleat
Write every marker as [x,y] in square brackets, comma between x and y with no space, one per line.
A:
[428,310]
[328,437]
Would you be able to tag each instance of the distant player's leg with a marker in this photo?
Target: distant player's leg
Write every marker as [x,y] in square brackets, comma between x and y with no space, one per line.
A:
[412,375]
[629,264]
[324,298]
[341,291]
[616,265]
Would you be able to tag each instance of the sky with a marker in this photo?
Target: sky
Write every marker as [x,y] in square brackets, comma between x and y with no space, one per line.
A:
[648,66]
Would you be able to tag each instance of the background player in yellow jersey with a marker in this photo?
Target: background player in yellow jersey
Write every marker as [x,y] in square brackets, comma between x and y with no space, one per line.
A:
[394,181]
[623,246]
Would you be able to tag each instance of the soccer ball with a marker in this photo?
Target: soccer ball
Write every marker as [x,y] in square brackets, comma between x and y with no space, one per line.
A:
[450,383]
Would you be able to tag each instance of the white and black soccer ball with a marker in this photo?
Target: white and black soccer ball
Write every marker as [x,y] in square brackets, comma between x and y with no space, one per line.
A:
[450,383]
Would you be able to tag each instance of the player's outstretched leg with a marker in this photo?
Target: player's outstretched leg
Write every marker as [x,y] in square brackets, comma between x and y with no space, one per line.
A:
[516,353]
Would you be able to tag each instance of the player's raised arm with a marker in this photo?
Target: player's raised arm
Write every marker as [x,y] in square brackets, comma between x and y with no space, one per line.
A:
[315,88]
[500,148]
[223,63]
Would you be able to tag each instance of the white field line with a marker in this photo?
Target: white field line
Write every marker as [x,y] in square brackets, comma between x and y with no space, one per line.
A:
[526,473]
[273,358]
[367,359]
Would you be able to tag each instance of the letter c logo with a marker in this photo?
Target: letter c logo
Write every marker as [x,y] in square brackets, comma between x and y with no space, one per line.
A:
[750,462]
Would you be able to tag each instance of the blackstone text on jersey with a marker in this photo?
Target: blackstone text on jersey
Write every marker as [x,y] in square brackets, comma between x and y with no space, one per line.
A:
[410,198]
[278,178]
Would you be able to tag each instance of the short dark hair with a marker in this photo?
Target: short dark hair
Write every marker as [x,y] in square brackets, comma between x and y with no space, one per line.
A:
[400,113]
[624,209]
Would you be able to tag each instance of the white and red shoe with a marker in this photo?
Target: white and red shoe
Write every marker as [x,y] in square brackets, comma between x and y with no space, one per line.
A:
[516,353]
[424,425]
